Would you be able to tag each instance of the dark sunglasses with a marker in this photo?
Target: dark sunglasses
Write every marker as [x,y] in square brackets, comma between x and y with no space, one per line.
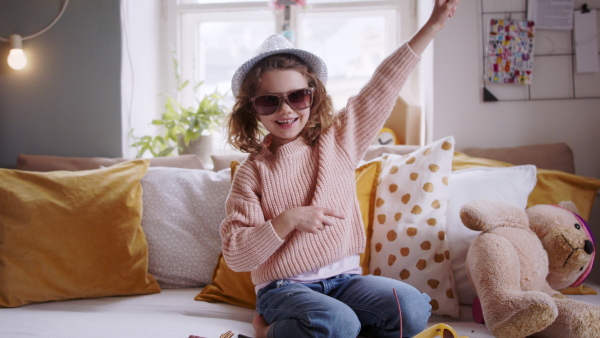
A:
[297,99]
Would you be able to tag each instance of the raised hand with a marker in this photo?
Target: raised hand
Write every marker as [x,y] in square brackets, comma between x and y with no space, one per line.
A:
[442,10]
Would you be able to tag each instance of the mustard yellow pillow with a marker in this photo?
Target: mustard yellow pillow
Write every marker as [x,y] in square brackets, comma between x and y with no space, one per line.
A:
[68,235]
[552,186]
[555,186]
[237,288]
[367,176]
[229,286]
[463,161]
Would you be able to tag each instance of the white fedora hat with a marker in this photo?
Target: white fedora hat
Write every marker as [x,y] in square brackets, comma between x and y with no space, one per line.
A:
[277,44]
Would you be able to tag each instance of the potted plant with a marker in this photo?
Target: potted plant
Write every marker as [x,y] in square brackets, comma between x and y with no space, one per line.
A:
[187,129]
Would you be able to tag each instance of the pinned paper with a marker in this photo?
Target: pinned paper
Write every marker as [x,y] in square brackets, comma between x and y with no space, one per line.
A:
[586,42]
[509,55]
[551,14]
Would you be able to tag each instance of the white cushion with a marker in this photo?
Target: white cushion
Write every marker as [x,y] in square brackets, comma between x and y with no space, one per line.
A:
[508,184]
[408,241]
[183,211]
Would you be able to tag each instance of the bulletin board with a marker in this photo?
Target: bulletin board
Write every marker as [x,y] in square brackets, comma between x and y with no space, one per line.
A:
[554,75]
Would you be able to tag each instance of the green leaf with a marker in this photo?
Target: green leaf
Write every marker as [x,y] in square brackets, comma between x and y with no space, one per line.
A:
[183,85]
[177,120]
[165,152]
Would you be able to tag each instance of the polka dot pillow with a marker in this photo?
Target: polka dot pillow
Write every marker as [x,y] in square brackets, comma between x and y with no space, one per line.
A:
[183,211]
[409,228]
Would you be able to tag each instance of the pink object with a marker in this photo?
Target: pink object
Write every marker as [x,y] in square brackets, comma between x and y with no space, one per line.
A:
[589,268]
[586,228]
[477,311]
[280,4]
[262,188]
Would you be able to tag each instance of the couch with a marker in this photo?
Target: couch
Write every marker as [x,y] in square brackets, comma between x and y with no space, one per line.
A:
[101,247]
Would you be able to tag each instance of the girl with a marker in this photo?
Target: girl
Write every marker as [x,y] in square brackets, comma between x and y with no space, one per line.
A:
[292,215]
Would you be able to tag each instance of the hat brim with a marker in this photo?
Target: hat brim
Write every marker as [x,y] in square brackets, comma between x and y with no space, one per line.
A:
[315,63]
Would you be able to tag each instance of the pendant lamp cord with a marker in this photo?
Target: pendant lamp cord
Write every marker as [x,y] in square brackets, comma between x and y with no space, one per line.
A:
[62,10]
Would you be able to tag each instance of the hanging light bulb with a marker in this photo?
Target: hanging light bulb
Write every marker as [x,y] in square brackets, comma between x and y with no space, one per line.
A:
[16,58]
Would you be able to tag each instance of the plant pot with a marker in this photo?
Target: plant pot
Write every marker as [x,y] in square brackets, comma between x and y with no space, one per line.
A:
[202,146]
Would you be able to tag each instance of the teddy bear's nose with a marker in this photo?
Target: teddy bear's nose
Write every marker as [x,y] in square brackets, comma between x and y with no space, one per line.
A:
[588,247]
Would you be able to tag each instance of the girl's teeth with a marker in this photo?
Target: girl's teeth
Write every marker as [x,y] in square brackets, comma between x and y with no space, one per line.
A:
[286,122]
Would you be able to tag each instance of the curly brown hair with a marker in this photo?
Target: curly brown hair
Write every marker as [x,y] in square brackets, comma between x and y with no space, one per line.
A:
[244,130]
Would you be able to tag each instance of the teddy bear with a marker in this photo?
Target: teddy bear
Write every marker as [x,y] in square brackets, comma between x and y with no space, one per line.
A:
[520,260]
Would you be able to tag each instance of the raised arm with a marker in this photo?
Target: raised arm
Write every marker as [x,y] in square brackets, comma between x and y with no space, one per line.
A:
[442,10]
[367,112]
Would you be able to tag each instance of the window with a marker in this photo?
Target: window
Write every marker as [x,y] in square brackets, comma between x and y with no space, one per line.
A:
[210,39]
[214,37]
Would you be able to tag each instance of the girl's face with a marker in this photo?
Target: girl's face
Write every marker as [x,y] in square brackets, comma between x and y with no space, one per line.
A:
[286,124]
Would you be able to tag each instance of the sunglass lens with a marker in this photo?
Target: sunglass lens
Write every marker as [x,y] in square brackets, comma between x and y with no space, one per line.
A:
[267,104]
[300,99]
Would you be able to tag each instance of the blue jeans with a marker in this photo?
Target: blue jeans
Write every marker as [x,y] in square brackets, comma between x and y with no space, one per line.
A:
[343,306]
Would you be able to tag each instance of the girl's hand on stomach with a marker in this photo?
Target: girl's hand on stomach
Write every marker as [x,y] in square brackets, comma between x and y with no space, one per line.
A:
[310,219]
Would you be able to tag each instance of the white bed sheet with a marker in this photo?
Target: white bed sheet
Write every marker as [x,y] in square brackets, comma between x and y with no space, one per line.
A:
[171,313]
[464,325]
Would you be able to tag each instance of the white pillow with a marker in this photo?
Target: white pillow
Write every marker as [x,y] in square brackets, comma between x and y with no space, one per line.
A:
[409,241]
[183,211]
[508,184]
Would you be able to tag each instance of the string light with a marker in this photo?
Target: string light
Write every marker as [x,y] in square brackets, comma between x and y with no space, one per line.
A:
[16,58]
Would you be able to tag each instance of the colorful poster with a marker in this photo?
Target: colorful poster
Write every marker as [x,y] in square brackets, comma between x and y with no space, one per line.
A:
[509,55]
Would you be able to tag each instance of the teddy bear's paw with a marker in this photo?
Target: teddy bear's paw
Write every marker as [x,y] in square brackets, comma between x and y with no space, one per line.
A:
[583,321]
[525,322]
[583,325]
[590,331]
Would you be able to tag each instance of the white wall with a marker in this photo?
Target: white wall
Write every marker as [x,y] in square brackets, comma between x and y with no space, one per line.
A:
[460,110]
[141,81]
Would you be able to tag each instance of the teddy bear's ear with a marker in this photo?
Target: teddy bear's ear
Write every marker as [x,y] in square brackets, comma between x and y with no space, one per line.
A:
[569,205]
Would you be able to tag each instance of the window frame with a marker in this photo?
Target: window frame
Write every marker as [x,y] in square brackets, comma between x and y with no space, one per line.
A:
[405,12]
[410,14]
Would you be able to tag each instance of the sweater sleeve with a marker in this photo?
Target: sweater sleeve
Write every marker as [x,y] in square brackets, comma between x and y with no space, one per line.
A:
[365,114]
[247,239]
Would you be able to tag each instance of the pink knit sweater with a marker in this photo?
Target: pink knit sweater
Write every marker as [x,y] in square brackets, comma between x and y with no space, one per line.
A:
[267,184]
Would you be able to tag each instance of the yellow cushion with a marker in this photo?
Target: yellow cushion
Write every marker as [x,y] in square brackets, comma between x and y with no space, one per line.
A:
[463,161]
[229,286]
[552,186]
[555,186]
[237,288]
[366,185]
[71,235]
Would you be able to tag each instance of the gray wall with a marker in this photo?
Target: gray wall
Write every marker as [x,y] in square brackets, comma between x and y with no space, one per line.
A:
[67,101]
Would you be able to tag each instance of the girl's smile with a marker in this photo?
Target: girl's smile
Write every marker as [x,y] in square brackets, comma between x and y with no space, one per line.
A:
[287,123]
